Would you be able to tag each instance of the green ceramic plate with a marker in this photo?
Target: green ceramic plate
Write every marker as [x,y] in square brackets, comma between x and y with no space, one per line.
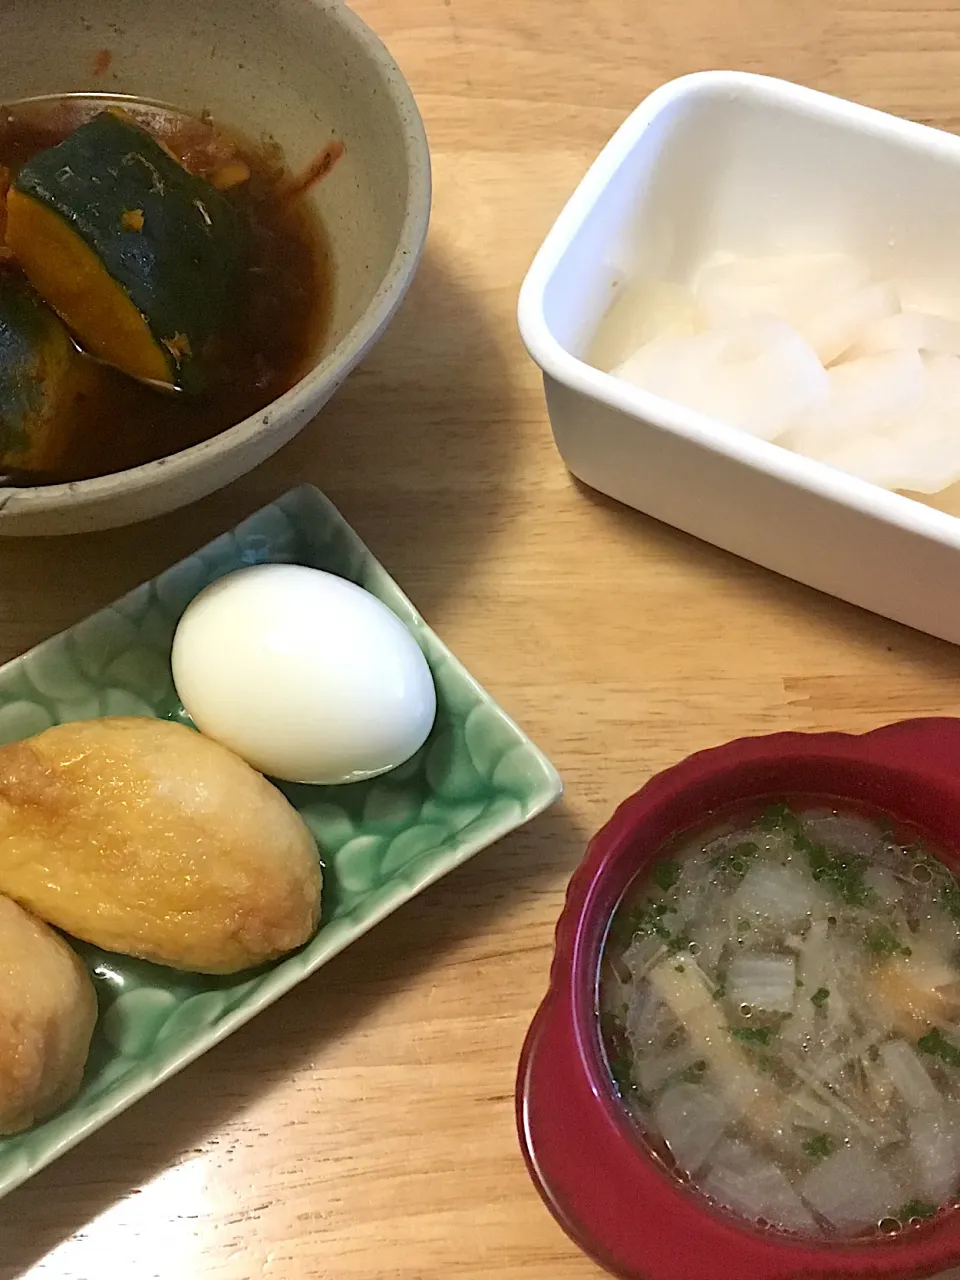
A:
[476,778]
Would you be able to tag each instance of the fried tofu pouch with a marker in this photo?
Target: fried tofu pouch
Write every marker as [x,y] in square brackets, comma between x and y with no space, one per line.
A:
[48,1009]
[144,837]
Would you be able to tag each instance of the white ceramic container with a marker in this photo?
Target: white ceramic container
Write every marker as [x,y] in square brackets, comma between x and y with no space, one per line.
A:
[750,164]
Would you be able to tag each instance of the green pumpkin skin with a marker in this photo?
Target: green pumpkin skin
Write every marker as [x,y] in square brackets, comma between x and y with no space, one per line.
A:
[181,268]
[47,387]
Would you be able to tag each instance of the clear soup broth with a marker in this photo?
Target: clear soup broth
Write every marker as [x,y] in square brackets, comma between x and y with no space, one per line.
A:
[779,1004]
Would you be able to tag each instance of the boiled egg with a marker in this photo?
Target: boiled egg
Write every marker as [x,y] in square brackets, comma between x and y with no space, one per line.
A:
[304,675]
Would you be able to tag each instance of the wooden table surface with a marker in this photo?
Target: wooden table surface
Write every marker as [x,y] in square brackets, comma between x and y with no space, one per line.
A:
[362,1128]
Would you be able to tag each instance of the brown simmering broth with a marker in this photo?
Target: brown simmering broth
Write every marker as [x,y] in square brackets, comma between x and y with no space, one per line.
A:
[276,333]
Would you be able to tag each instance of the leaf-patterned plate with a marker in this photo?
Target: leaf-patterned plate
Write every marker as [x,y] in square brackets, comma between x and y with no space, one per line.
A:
[476,778]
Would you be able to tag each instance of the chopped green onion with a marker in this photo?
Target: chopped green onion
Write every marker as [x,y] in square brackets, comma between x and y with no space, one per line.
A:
[620,1074]
[843,872]
[820,997]
[881,940]
[819,1146]
[666,874]
[916,1209]
[938,1046]
[645,921]
[950,897]
[780,817]
[754,1035]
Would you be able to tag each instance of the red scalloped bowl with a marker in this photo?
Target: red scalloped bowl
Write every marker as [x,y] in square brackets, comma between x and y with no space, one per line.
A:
[595,1174]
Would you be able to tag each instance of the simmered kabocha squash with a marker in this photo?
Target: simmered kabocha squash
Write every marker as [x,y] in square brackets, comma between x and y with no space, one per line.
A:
[48,389]
[140,258]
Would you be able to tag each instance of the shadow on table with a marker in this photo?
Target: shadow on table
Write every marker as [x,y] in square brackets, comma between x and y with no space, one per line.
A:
[416,449]
[775,593]
[183,1113]
[420,449]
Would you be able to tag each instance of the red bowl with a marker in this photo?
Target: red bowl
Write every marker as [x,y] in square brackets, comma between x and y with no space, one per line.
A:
[590,1165]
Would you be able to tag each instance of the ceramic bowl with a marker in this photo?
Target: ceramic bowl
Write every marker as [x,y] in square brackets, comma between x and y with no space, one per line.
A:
[382,841]
[302,71]
[727,160]
[585,1155]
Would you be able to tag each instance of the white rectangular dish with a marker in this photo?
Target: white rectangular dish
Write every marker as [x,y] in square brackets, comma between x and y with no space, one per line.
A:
[727,160]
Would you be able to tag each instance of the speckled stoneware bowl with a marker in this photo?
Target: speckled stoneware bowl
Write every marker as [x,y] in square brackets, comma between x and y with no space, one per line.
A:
[476,778]
[301,70]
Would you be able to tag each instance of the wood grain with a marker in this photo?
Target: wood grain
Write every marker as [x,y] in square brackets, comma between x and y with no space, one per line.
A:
[362,1129]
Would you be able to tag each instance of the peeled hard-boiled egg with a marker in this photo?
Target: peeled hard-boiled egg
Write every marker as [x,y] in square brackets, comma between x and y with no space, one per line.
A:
[304,675]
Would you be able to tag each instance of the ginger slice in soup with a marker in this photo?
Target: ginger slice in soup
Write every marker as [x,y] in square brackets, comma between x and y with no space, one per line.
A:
[684,990]
[912,992]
